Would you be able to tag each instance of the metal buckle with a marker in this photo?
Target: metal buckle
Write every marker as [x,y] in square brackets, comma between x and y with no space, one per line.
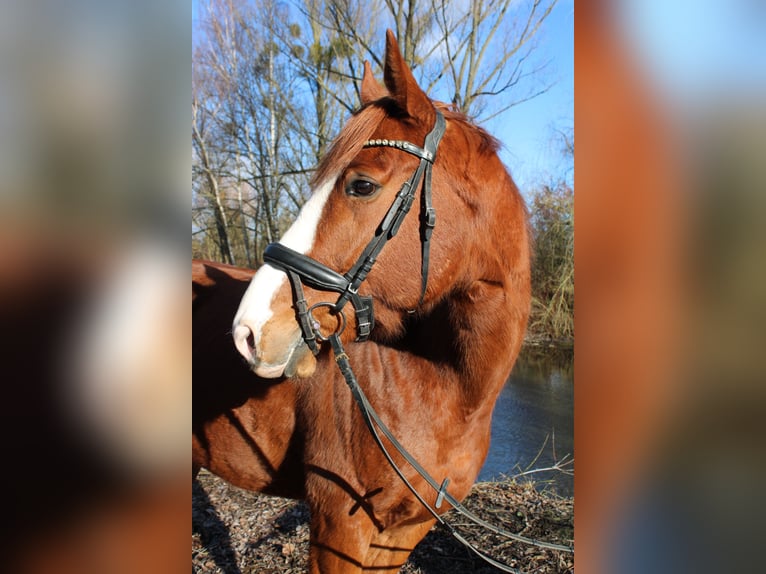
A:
[429,217]
[365,318]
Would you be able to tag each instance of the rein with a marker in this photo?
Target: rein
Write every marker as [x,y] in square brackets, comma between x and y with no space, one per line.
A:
[301,269]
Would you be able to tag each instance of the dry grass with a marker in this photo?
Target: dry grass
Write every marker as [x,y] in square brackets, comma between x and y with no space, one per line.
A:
[552,218]
[239,532]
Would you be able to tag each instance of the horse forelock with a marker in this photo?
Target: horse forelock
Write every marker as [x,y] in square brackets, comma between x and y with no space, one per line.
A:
[349,142]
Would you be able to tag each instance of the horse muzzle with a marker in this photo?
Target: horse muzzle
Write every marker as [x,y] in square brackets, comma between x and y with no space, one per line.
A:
[280,353]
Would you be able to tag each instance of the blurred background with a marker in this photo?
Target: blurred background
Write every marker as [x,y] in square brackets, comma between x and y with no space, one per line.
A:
[94,267]
[670,400]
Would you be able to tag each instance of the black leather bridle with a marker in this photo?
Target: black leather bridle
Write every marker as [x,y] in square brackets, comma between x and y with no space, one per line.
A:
[301,269]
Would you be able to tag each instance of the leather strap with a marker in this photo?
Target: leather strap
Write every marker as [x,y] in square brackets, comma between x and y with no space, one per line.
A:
[427,155]
[302,311]
[316,275]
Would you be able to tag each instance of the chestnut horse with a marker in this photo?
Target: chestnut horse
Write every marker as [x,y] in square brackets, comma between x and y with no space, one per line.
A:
[447,331]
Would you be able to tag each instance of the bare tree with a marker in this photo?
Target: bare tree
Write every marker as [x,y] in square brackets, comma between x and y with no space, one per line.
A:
[473,52]
[249,80]
[209,169]
[274,82]
[487,50]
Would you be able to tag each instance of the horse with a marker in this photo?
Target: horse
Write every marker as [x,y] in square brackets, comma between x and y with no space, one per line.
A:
[439,307]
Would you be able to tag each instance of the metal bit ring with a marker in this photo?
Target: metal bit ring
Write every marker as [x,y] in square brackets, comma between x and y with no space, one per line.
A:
[316,325]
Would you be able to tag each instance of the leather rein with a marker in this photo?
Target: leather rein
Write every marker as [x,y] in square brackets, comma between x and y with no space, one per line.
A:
[301,269]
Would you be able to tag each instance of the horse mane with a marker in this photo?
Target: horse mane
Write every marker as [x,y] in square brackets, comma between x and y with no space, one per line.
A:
[363,123]
[486,142]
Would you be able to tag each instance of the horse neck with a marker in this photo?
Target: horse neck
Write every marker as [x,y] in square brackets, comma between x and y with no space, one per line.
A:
[469,341]
[488,332]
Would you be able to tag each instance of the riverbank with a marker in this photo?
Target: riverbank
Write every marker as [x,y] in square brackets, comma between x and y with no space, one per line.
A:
[543,341]
[235,531]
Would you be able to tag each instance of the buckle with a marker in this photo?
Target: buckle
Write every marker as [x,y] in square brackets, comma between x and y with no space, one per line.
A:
[442,493]
[365,318]
[429,217]
[363,330]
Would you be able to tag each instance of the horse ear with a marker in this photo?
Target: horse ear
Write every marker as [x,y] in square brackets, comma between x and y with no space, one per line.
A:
[371,89]
[402,85]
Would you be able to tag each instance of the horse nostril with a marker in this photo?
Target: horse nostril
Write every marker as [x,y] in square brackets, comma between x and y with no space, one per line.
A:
[244,340]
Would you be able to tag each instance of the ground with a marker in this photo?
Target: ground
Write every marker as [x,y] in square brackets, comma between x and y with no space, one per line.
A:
[240,532]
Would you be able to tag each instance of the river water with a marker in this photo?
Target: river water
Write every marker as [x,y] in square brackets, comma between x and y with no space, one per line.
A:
[536,402]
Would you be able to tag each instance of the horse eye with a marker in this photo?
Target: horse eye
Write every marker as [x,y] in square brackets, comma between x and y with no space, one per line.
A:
[361,187]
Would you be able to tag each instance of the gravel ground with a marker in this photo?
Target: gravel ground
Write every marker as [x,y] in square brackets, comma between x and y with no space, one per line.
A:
[239,532]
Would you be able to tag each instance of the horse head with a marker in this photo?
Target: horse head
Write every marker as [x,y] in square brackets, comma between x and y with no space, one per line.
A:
[479,236]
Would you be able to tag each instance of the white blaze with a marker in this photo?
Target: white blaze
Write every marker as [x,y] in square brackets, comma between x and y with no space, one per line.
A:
[255,308]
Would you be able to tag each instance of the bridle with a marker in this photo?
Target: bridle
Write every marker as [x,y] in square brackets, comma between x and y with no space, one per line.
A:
[301,269]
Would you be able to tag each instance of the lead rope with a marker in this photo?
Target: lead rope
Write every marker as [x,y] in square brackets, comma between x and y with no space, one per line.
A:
[372,420]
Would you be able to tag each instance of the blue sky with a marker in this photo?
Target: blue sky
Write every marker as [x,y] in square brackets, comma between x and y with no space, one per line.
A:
[531,151]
